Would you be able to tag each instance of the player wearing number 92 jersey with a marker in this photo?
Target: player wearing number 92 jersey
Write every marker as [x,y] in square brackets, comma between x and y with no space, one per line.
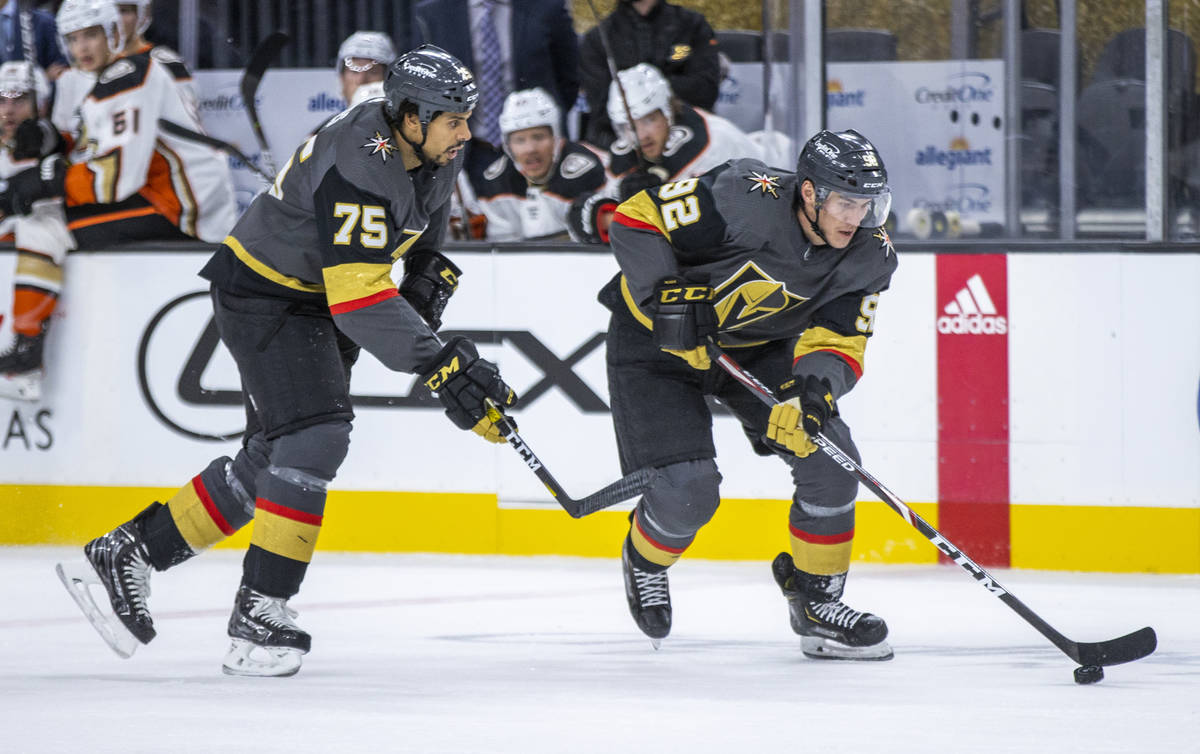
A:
[784,270]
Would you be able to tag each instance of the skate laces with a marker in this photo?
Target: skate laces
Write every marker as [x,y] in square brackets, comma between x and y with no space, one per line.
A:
[135,576]
[837,613]
[652,588]
[273,611]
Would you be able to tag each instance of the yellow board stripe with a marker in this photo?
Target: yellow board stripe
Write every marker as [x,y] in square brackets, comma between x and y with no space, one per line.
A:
[269,273]
[822,339]
[284,536]
[353,281]
[1052,537]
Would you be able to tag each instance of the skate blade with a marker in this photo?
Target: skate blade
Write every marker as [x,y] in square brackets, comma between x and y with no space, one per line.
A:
[656,643]
[820,648]
[78,578]
[249,659]
[26,386]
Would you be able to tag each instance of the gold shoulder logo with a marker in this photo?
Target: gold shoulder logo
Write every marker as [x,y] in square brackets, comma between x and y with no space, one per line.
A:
[380,145]
[885,242]
[763,183]
[680,52]
[751,295]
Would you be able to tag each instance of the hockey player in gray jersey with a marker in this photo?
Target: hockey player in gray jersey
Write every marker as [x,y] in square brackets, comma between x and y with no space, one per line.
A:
[301,283]
[786,269]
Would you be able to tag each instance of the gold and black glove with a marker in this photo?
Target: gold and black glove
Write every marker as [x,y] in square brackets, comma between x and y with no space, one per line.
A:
[465,384]
[801,413]
[429,281]
[684,319]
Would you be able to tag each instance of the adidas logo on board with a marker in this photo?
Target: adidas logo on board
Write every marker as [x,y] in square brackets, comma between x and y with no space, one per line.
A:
[972,312]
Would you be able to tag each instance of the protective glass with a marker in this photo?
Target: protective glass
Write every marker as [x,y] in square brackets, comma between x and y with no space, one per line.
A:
[862,210]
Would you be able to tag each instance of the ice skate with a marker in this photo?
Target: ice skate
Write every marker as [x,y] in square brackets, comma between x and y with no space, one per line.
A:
[119,562]
[829,629]
[21,368]
[649,597]
[266,641]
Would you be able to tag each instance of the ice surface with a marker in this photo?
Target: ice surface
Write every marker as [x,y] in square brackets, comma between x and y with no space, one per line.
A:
[425,653]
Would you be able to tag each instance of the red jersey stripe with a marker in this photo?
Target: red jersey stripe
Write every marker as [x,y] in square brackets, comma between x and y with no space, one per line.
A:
[362,303]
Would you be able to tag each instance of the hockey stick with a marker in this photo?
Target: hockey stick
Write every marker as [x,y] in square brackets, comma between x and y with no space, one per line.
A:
[183,132]
[1126,648]
[628,486]
[612,71]
[263,55]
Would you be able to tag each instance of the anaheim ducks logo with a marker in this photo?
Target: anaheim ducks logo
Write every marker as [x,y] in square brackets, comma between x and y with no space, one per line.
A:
[751,295]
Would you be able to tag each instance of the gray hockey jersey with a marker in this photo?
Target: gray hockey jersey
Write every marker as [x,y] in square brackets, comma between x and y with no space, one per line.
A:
[735,228]
[326,233]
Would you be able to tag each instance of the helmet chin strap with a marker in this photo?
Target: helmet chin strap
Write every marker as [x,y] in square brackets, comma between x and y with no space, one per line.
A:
[815,219]
[418,149]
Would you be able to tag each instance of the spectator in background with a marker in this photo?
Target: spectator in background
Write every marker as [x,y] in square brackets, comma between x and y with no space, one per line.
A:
[362,64]
[31,219]
[678,41]
[526,191]
[39,24]
[510,45]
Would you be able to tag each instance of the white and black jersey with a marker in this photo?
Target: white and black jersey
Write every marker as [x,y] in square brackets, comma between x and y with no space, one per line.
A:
[518,209]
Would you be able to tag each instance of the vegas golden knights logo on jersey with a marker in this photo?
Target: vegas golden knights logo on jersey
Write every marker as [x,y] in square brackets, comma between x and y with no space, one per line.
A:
[750,295]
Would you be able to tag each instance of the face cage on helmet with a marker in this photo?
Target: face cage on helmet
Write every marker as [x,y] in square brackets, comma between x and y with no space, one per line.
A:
[880,205]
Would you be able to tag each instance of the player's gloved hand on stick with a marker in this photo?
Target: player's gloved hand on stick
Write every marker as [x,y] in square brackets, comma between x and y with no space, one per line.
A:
[465,383]
[41,182]
[801,413]
[640,179]
[429,281]
[589,216]
[684,318]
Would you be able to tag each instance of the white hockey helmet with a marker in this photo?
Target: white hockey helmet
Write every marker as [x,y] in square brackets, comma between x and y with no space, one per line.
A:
[646,89]
[76,15]
[20,77]
[372,45]
[144,11]
[530,108]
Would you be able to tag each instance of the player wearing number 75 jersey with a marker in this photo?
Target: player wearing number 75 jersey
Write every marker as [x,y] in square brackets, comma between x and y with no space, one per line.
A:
[299,286]
[786,269]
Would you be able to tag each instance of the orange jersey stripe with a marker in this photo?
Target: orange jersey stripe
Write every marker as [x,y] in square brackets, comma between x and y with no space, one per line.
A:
[85,222]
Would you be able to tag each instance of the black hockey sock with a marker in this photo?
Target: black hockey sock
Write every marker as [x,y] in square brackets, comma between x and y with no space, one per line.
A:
[164,544]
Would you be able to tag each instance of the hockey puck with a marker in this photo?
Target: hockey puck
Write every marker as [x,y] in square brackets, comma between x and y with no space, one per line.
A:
[1089,674]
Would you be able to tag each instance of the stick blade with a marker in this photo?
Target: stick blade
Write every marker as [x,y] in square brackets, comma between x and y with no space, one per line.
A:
[1123,649]
[625,488]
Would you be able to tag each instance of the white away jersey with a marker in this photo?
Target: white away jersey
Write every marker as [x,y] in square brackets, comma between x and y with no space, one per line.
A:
[122,151]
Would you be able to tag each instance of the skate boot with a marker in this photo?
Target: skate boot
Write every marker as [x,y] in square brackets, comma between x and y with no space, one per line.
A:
[266,641]
[120,563]
[21,368]
[829,629]
[649,596]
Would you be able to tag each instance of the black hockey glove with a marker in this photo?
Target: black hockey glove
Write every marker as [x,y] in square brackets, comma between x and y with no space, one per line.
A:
[639,180]
[35,139]
[466,384]
[684,318]
[429,281]
[588,218]
[803,409]
[41,182]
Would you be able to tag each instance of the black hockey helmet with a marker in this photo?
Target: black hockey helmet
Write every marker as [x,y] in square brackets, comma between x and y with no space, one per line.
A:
[432,79]
[848,163]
